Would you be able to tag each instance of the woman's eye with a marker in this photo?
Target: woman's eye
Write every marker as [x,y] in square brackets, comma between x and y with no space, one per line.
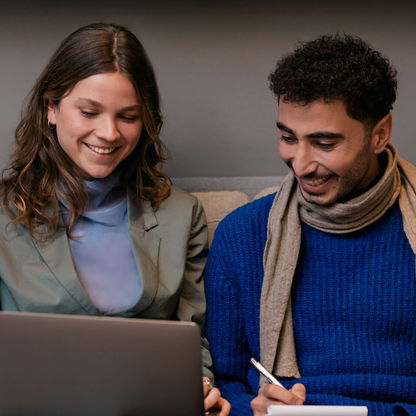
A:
[129,118]
[87,113]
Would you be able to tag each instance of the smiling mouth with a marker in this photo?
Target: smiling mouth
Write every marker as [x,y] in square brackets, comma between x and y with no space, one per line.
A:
[316,181]
[101,150]
[315,185]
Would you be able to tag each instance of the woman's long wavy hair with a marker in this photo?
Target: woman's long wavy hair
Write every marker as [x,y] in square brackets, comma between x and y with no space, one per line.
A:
[41,173]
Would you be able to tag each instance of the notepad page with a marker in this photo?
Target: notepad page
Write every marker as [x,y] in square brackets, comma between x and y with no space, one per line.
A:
[317,411]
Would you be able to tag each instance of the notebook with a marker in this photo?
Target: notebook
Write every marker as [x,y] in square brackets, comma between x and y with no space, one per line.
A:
[317,411]
[71,365]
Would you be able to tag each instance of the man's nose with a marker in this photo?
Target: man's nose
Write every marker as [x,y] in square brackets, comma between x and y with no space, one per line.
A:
[303,162]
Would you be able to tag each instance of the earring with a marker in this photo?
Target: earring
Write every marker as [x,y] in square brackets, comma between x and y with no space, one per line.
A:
[51,126]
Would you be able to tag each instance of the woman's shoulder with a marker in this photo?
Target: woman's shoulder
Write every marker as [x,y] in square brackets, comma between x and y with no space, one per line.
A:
[178,198]
[178,208]
[9,229]
[178,194]
[4,215]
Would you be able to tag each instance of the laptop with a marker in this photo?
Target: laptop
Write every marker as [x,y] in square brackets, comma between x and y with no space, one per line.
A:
[70,365]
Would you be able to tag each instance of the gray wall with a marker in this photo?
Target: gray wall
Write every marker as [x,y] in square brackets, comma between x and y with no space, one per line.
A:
[212,60]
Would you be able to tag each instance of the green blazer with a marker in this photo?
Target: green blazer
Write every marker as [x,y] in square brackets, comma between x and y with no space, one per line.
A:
[170,246]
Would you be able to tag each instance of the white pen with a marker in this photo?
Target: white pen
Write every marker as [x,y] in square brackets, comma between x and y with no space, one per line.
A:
[270,377]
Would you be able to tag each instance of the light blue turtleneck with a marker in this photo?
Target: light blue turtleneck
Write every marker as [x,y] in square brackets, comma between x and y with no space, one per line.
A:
[102,251]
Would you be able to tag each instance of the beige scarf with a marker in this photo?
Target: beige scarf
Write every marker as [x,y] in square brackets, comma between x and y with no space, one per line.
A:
[281,252]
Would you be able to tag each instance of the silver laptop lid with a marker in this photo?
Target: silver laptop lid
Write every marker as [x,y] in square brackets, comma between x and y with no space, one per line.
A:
[71,365]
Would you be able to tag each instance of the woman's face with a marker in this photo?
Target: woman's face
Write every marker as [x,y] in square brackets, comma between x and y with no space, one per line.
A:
[98,124]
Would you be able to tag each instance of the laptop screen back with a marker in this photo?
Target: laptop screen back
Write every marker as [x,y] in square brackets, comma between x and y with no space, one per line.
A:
[94,366]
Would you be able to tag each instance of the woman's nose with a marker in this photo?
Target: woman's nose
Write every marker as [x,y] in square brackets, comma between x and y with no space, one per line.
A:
[107,129]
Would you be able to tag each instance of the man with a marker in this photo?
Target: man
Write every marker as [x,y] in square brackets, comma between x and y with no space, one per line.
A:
[318,281]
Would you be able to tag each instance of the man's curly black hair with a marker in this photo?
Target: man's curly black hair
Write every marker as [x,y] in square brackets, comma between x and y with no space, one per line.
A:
[338,67]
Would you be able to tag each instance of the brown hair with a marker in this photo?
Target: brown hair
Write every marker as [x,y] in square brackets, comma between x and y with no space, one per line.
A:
[41,173]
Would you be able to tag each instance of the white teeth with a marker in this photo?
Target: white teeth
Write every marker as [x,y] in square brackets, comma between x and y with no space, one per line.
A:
[101,150]
[318,181]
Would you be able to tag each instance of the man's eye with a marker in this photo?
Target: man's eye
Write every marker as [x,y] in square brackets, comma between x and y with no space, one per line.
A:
[287,139]
[325,146]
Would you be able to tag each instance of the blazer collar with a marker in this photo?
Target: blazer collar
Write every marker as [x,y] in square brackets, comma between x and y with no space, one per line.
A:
[56,254]
[141,214]
[146,242]
[145,237]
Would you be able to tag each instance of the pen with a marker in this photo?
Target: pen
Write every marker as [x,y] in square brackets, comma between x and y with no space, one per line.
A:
[270,377]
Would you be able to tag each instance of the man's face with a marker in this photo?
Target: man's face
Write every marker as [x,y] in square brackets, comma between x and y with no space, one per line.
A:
[331,154]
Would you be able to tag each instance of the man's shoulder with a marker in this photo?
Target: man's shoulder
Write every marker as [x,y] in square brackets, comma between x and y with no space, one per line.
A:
[240,237]
[254,213]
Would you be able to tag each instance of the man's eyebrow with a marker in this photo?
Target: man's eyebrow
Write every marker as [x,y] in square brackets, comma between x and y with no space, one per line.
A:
[82,100]
[282,127]
[314,135]
[325,135]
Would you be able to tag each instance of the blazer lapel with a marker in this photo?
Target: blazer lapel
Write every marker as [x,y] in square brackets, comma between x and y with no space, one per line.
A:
[57,255]
[146,243]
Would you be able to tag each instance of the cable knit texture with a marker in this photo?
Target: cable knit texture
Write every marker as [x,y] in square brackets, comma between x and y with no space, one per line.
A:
[354,311]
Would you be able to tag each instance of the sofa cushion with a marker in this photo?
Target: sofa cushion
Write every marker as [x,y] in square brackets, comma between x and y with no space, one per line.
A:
[266,191]
[217,204]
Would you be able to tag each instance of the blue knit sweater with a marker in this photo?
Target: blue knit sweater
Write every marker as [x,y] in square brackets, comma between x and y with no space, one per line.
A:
[354,309]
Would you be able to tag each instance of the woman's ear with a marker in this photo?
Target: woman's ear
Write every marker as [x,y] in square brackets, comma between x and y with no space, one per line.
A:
[52,109]
[381,134]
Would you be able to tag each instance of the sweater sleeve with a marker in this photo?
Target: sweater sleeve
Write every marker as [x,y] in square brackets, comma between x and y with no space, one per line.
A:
[375,408]
[400,409]
[233,280]
[225,327]
[384,395]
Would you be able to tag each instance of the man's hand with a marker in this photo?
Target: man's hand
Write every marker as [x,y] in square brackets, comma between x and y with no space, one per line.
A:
[271,394]
[213,399]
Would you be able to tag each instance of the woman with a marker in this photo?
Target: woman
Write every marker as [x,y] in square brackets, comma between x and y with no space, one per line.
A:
[89,223]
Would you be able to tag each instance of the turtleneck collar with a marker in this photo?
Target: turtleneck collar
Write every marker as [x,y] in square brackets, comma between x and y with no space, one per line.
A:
[107,200]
